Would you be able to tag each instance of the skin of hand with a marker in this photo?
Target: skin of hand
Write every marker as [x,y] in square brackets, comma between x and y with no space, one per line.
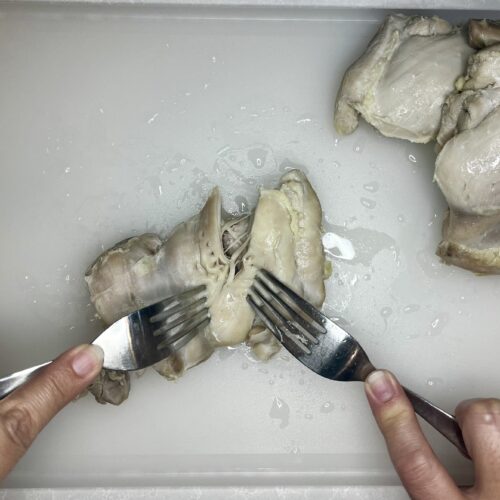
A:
[25,412]
[421,473]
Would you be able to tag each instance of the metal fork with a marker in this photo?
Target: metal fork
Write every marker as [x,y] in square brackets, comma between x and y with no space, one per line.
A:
[142,338]
[325,348]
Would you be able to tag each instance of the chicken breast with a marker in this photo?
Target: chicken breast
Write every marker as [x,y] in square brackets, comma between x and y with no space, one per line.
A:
[468,166]
[283,236]
[402,80]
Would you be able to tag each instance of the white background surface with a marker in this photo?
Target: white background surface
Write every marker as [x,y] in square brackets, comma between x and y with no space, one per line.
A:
[119,120]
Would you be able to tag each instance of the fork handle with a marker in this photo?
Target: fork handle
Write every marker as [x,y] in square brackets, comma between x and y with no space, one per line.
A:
[443,422]
[12,382]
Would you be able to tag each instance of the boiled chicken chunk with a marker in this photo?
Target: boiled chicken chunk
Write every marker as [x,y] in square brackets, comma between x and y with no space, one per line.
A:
[283,236]
[402,80]
[468,166]
[483,33]
[285,239]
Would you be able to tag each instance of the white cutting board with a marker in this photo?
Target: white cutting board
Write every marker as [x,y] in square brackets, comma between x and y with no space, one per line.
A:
[118,120]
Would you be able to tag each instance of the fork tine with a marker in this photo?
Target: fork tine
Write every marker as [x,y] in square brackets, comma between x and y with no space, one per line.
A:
[177,319]
[294,300]
[279,326]
[189,335]
[307,328]
[171,302]
[171,333]
[286,325]
[168,312]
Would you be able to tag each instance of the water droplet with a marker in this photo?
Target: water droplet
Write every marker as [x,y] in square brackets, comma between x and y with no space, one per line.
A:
[411,308]
[335,143]
[367,277]
[242,204]
[358,148]
[412,158]
[365,243]
[244,366]
[67,277]
[214,59]
[338,247]
[432,382]
[335,164]
[34,301]
[401,218]
[280,411]
[304,120]
[371,204]
[258,157]
[308,416]
[67,170]
[67,195]
[327,407]
[153,118]
[26,277]
[160,190]
[437,324]
[295,450]
[372,187]
[385,312]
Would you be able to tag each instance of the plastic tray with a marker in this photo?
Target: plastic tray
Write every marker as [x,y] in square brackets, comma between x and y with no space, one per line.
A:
[118,120]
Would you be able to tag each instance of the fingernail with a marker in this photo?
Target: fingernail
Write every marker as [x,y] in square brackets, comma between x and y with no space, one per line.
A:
[381,386]
[87,359]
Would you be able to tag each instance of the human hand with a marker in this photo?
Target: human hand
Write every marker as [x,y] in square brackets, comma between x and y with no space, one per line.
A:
[421,473]
[25,412]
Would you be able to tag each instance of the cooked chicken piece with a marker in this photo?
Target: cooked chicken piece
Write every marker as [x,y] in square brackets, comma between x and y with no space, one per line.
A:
[263,343]
[468,166]
[483,33]
[400,83]
[283,236]
[465,110]
[483,70]
[111,387]
[285,239]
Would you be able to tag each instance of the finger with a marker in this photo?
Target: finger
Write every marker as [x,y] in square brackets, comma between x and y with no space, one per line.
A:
[25,412]
[416,464]
[480,423]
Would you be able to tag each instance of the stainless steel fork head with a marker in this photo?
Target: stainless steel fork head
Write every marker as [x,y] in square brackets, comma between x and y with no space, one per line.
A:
[151,334]
[327,349]
[315,340]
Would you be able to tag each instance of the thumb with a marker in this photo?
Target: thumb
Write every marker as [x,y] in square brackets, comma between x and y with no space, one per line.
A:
[419,469]
[25,412]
